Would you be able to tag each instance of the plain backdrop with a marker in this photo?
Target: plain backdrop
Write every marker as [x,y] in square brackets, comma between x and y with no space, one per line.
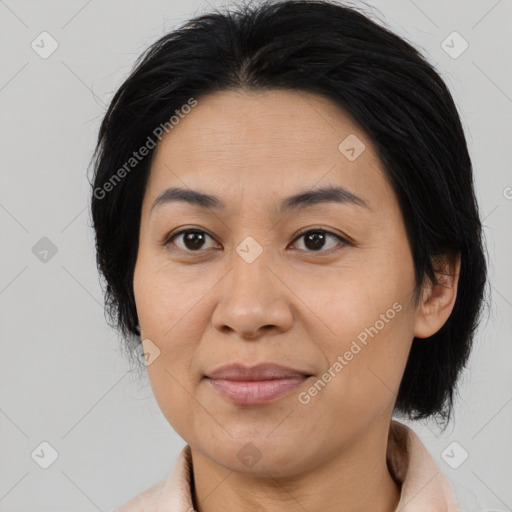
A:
[63,380]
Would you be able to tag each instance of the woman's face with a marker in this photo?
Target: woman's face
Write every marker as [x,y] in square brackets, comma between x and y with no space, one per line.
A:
[249,287]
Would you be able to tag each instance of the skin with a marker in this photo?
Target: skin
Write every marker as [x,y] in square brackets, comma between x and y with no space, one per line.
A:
[294,305]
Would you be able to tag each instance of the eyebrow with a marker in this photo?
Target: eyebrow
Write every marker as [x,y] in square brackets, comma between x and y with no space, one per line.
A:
[328,194]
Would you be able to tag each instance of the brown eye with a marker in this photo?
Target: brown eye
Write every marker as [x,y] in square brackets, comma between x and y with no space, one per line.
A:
[190,240]
[316,239]
[194,240]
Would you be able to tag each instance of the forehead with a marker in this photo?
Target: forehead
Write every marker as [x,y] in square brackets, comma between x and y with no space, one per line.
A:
[267,143]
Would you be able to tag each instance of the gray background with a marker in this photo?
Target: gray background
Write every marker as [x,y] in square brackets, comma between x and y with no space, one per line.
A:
[62,377]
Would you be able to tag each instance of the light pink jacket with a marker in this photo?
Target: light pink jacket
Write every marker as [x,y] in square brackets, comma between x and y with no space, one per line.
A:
[423,486]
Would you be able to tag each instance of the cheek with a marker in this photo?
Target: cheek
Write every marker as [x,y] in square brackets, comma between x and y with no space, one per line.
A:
[361,378]
[364,331]
[163,295]
[173,393]
[168,312]
[168,317]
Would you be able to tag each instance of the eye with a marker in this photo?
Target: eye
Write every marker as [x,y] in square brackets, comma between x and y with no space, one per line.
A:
[193,240]
[315,239]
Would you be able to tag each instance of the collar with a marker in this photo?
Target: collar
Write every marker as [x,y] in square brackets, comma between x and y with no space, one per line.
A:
[423,487]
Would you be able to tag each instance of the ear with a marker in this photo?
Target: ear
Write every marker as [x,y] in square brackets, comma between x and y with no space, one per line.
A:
[438,299]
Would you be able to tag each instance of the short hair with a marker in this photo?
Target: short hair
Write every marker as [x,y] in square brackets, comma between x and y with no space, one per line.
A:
[376,77]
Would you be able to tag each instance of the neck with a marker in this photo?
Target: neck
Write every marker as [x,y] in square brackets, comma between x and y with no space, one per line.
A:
[356,480]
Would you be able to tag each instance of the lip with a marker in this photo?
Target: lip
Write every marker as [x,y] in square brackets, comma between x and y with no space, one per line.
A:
[258,384]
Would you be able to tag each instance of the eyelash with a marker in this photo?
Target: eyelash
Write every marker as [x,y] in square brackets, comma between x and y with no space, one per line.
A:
[169,239]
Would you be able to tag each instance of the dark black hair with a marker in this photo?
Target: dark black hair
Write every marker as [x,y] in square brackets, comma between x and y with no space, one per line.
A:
[379,79]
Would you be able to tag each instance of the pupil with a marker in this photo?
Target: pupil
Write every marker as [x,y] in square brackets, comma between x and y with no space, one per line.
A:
[316,238]
[194,243]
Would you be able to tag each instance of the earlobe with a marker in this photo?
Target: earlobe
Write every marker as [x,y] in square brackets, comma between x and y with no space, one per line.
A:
[438,300]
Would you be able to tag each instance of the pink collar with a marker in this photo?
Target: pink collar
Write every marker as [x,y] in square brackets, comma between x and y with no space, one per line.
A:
[423,487]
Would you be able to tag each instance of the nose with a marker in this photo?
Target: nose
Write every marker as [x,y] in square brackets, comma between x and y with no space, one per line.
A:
[253,300]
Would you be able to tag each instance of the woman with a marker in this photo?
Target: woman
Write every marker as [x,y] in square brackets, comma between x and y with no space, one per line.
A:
[286,223]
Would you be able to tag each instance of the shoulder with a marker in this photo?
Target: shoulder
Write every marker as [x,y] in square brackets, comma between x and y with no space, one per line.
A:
[173,494]
[423,485]
[144,501]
